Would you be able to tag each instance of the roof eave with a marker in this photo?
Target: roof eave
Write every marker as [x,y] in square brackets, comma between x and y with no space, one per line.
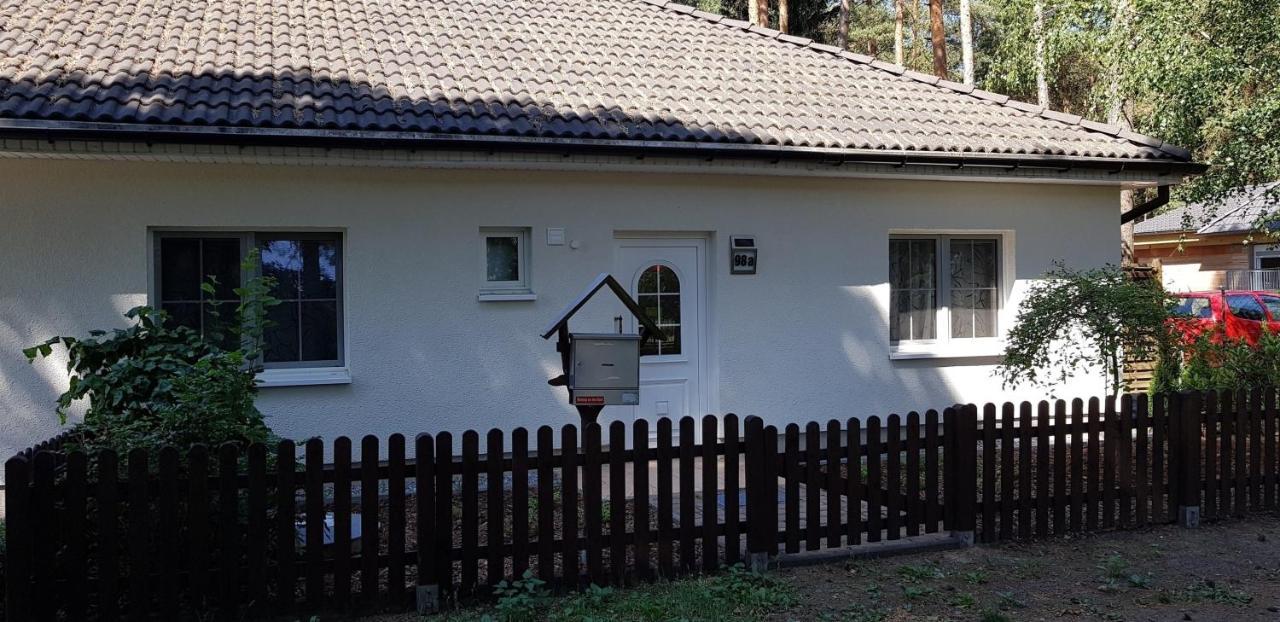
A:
[53,130]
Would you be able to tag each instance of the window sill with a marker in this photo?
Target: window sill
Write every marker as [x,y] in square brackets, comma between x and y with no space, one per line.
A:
[303,376]
[946,351]
[512,297]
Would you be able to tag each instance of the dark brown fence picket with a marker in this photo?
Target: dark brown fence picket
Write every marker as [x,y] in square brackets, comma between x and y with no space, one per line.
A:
[855,486]
[710,485]
[519,502]
[832,482]
[914,517]
[342,523]
[989,501]
[640,474]
[618,503]
[893,476]
[494,510]
[370,525]
[791,488]
[197,520]
[396,518]
[314,522]
[812,486]
[546,506]
[75,525]
[687,510]
[875,500]
[591,496]
[732,488]
[1060,468]
[932,472]
[286,531]
[665,511]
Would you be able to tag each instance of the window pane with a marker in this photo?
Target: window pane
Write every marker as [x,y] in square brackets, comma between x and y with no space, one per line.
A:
[671,345]
[984,313]
[974,290]
[912,289]
[1245,307]
[648,281]
[180,269]
[961,264]
[1269,263]
[281,334]
[962,313]
[924,263]
[219,326]
[502,258]
[650,348]
[319,331]
[668,282]
[984,263]
[924,313]
[222,262]
[1273,307]
[669,309]
[649,304]
[1194,307]
[319,269]
[183,314]
[282,261]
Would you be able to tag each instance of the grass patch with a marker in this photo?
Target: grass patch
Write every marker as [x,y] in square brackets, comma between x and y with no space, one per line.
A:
[916,573]
[1209,591]
[734,595]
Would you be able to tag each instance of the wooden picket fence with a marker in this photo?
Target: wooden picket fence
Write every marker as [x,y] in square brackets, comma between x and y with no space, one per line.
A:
[267,531]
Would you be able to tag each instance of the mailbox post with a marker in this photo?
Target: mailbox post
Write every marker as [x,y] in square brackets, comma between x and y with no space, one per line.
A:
[600,369]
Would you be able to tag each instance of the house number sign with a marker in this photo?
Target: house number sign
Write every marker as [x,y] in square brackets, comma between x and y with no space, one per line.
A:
[742,254]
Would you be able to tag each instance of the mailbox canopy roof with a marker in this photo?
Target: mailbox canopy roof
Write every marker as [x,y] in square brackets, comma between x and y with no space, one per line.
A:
[601,280]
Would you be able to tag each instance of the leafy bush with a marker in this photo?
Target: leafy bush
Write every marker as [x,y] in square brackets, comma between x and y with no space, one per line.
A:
[1215,362]
[1073,320]
[155,383]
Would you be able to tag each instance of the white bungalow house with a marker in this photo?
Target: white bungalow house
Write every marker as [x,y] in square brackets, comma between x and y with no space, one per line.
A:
[433,181]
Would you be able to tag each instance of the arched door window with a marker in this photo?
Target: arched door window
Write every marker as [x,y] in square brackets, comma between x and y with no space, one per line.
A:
[658,293]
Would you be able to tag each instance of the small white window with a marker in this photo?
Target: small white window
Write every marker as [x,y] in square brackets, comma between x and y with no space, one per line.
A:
[504,264]
[943,288]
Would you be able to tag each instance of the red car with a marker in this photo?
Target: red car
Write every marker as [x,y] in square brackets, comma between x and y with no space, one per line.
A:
[1240,313]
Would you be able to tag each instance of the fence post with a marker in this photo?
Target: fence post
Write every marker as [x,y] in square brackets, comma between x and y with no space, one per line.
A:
[19,541]
[757,487]
[1188,451]
[964,472]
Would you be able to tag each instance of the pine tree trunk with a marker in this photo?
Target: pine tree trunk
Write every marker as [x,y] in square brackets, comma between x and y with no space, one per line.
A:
[842,31]
[966,41]
[1038,33]
[873,46]
[784,20]
[1122,37]
[897,31]
[939,37]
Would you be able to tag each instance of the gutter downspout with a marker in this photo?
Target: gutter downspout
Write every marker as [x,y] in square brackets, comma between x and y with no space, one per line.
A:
[1138,211]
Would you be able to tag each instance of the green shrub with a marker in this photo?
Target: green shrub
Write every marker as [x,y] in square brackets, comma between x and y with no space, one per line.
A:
[1215,362]
[155,383]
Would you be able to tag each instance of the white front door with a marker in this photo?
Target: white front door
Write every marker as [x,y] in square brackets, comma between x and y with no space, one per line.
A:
[667,279]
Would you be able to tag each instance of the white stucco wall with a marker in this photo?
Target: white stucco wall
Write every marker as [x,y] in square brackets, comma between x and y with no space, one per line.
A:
[805,338]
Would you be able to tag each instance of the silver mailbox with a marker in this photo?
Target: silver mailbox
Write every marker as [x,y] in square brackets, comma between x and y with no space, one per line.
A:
[605,369]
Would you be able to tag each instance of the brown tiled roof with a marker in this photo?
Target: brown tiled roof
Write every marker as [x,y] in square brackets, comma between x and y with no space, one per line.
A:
[611,70]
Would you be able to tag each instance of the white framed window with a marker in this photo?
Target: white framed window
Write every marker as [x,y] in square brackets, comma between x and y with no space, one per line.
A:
[307,327]
[504,264]
[945,291]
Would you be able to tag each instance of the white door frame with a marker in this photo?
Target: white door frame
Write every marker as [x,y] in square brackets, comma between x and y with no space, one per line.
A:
[708,399]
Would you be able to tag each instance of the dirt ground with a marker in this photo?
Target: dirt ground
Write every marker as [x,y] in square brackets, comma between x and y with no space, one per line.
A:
[1224,571]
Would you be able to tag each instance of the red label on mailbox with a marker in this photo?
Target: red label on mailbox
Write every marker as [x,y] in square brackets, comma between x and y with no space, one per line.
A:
[589,400]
